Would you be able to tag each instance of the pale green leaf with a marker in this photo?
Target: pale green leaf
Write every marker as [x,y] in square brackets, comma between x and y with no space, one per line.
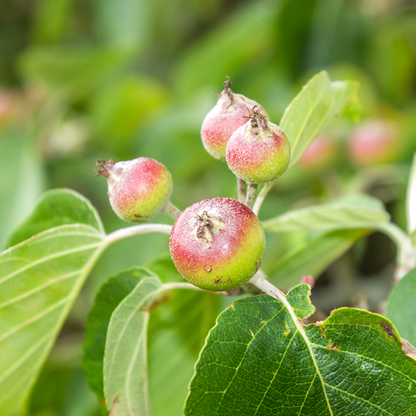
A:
[313,257]
[352,213]
[39,281]
[56,207]
[313,108]
[261,360]
[125,360]
[401,307]
[111,294]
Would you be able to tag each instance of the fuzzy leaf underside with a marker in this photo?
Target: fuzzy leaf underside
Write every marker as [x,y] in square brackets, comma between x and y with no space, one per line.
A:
[40,279]
[313,108]
[125,360]
[359,212]
[258,360]
[111,294]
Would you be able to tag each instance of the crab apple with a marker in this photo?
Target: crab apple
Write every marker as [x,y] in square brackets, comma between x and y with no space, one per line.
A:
[230,113]
[138,189]
[259,151]
[217,244]
[319,154]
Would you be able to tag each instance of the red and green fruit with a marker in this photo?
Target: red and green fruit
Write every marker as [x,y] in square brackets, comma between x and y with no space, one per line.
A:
[259,151]
[217,244]
[230,113]
[138,189]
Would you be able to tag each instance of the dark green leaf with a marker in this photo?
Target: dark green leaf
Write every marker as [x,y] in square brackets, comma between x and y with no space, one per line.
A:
[260,360]
[55,208]
[108,298]
[401,307]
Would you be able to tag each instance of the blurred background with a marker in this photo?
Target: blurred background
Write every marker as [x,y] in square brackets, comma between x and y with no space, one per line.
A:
[82,80]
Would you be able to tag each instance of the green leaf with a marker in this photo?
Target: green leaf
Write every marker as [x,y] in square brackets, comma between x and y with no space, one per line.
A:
[260,360]
[39,281]
[352,213]
[401,307]
[312,258]
[108,298]
[125,360]
[313,108]
[55,208]
[177,332]
[411,199]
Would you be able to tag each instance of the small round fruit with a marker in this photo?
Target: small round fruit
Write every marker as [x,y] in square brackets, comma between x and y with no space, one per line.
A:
[217,244]
[259,151]
[138,189]
[230,113]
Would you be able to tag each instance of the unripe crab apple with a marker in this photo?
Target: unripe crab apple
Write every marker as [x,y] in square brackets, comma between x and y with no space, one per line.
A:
[230,113]
[259,151]
[217,244]
[138,189]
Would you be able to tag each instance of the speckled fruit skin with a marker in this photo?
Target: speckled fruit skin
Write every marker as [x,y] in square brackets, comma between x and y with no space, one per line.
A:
[217,244]
[259,151]
[139,189]
[230,113]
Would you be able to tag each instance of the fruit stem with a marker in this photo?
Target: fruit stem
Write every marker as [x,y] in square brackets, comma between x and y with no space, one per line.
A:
[260,280]
[135,230]
[262,195]
[242,188]
[251,194]
[172,210]
[183,285]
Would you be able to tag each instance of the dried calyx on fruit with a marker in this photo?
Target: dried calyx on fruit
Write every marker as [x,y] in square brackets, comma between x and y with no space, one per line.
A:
[259,151]
[217,244]
[138,189]
[226,117]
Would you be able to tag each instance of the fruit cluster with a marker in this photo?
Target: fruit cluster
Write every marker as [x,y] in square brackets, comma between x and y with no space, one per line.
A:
[216,244]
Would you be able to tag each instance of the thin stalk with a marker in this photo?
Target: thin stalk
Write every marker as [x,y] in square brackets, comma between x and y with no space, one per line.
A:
[242,189]
[183,285]
[172,210]
[136,230]
[260,281]
[251,194]
[262,195]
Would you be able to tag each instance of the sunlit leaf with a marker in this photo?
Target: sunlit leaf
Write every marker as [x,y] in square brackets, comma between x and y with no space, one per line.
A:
[39,281]
[54,208]
[312,109]
[260,360]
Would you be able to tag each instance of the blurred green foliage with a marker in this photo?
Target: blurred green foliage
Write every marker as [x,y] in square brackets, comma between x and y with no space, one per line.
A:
[87,79]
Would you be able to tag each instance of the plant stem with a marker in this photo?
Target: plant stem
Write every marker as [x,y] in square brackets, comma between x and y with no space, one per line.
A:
[262,195]
[251,194]
[406,256]
[259,280]
[172,210]
[135,230]
[183,285]
[242,188]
